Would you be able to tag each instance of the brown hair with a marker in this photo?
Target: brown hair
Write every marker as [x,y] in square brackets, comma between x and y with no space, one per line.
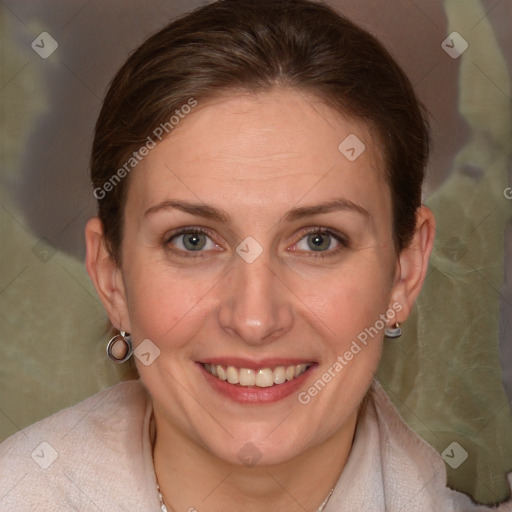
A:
[255,45]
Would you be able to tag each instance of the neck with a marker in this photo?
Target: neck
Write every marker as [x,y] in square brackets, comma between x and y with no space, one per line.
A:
[191,478]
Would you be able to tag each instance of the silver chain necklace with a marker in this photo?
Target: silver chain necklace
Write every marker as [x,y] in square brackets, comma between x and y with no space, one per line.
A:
[163,507]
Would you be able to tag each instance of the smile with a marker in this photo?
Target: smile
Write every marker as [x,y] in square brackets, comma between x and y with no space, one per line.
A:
[261,378]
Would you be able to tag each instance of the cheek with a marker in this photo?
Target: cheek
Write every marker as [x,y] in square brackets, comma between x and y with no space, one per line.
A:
[161,303]
[349,300]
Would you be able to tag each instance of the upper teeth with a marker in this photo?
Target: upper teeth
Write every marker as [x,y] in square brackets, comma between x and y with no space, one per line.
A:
[263,378]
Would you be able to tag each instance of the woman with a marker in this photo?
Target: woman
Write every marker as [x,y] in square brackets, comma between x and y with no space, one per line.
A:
[258,170]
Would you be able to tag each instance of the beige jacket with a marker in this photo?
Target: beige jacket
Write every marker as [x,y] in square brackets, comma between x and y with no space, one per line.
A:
[97,456]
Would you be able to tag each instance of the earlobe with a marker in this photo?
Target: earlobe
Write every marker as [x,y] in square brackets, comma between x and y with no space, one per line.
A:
[105,275]
[413,262]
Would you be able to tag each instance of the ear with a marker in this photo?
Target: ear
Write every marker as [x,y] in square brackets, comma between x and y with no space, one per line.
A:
[412,263]
[106,276]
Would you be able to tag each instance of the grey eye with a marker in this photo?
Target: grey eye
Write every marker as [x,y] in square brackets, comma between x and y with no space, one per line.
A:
[191,241]
[317,242]
[194,241]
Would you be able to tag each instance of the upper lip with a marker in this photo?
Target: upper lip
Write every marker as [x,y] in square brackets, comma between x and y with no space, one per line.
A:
[253,364]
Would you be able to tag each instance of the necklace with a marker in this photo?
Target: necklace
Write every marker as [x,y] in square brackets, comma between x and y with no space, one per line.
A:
[163,508]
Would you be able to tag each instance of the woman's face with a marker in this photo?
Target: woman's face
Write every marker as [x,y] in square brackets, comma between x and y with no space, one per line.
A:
[254,241]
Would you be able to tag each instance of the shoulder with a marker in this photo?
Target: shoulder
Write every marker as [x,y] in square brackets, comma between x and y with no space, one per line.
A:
[390,467]
[67,458]
[416,467]
[113,406]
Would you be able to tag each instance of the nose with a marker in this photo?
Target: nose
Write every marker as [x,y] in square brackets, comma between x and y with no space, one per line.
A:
[256,304]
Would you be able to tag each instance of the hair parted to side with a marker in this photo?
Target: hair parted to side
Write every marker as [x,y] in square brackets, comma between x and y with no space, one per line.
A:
[254,46]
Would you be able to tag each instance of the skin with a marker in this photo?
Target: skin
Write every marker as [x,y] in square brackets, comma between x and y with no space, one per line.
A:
[257,156]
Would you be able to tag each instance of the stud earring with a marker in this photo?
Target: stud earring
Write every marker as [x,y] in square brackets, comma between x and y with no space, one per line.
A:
[119,348]
[395,331]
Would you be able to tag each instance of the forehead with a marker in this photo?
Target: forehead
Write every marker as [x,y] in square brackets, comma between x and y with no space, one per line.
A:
[281,144]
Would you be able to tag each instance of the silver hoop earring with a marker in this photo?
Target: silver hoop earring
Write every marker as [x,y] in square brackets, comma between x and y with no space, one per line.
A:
[119,348]
[395,331]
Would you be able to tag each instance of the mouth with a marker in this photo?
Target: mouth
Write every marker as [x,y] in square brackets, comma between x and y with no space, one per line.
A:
[251,382]
[260,377]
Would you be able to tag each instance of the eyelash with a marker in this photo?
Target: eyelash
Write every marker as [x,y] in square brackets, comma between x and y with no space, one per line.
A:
[343,241]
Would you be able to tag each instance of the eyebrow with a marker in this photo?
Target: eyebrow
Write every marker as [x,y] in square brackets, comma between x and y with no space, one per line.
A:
[339,204]
[213,213]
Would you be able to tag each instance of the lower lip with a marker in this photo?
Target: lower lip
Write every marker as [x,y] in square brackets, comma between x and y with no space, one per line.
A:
[253,394]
